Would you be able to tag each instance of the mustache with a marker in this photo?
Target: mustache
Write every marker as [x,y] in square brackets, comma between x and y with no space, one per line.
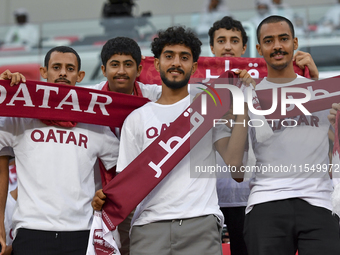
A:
[175,69]
[276,52]
[62,80]
[121,77]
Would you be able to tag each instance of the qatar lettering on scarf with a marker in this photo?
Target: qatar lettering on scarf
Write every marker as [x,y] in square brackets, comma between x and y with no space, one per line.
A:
[50,101]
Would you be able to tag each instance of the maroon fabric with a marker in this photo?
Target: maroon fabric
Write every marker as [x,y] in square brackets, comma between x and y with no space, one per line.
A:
[59,123]
[57,102]
[336,147]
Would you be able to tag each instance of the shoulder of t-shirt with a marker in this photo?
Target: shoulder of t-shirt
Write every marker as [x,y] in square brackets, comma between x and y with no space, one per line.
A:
[15,121]
[7,151]
[303,79]
[150,91]
[299,79]
[261,83]
[98,86]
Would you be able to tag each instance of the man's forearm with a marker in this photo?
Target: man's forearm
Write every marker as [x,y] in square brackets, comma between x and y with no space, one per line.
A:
[4,175]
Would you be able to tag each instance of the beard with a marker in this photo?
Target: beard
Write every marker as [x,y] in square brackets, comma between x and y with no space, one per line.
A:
[175,84]
[281,66]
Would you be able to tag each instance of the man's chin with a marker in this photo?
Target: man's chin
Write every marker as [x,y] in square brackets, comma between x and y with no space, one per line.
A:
[176,85]
[122,87]
[279,66]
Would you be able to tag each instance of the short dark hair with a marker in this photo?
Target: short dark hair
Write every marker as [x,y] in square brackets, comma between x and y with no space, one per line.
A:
[121,46]
[176,35]
[274,19]
[62,49]
[228,23]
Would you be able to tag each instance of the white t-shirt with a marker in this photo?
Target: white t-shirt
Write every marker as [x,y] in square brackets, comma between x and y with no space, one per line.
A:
[10,205]
[6,151]
[230,192]
[55,171]
[292,148]
[178,195]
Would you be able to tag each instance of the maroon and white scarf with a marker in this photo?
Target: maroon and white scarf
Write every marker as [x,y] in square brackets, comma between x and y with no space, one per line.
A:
[56,102]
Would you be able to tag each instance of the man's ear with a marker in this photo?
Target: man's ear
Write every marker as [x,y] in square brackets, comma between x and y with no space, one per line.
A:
[194,68]
[244,49]
[139,70]
[258,47]
[212,49]
[81,75]
[43,72]
[156,64]
[296,43]
[103,70]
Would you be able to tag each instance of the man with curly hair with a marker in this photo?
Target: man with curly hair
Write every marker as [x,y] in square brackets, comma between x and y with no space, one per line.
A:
[181,214]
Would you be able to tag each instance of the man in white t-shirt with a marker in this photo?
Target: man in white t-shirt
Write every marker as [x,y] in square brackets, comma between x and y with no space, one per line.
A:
[54,161]
[228,38]
[289,210]
[181,213]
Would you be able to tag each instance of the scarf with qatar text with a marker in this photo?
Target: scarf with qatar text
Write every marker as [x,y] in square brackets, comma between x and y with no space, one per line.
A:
[58,102]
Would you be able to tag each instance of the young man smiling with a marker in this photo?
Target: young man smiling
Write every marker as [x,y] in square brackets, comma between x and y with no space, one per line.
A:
[182,216]
[289,211]
[228,38]
[121,58]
